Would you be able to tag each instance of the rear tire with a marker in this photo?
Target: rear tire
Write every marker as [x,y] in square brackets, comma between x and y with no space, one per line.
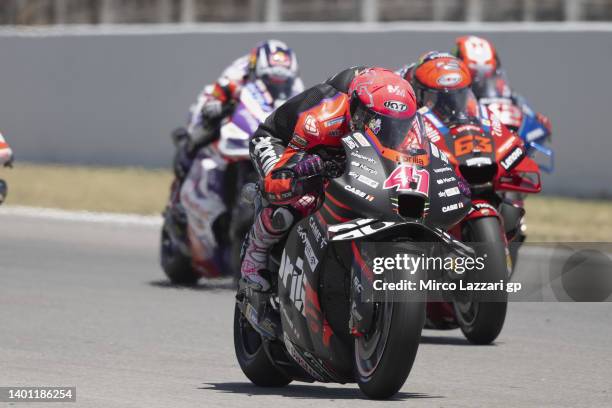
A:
[252,357]
[176,266]
[481,322]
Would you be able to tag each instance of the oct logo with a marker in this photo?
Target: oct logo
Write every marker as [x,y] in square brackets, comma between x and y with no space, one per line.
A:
[395,106]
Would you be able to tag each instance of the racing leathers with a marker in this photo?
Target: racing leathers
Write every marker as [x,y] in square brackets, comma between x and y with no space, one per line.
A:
[297,141]
[202,195]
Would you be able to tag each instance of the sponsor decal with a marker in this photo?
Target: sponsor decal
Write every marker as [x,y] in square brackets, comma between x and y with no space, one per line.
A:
[478,161]
[357,228]
[535,134]
[350,142]
[442,169]
[507,144]
[408,178]
[311,126]
[396,106]
[512,159]
[374,125]
[299,140]
[365,180]
[358,192]
[436,152]
[362,157]
[264,151]
[445,180]
[496,127]
[316,232]
[334,121]
[311,258]
[363,167]
[451,79]
[296,286]
[485,208]
[361,139]
[396,90]
[280,58]
[297,357]
[452,191]
[452,207]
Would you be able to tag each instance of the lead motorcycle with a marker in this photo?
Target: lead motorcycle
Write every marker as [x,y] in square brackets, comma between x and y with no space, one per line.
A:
[187,235]
[494,161]
[328,331]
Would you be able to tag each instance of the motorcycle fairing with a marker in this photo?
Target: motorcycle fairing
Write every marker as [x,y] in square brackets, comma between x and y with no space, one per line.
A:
[355,203]
[535,135]
[253,108]
[307,331]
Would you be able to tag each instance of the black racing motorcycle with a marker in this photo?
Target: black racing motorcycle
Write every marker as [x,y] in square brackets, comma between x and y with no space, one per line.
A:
[331,325]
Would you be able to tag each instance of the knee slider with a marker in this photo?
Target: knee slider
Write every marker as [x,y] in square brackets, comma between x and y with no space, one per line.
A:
[282,219]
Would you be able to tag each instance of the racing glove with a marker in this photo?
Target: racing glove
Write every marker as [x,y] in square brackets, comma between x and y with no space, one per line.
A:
[212,110]
[310,165]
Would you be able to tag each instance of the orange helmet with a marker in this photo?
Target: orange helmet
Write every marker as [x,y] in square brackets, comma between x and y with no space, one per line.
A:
[478,54]
[442,83]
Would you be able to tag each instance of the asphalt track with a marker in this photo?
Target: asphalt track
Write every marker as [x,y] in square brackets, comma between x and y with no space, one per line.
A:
[85,304]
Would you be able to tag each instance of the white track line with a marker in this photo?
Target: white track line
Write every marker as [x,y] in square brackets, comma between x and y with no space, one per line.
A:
[81,216]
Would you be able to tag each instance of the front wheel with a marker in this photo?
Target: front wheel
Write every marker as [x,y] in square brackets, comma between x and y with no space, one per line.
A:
[176,266]
[384,357]
[252,357]
[481,322]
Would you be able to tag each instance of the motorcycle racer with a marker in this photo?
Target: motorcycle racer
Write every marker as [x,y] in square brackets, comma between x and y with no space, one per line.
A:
[489,80]
[443,87]
[6,160]
[303,135]
[272,67]
[271,62]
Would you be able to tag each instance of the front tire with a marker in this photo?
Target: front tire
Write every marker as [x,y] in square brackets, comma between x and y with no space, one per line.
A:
[481,322]
[384,358]
[252,356]
[176,266]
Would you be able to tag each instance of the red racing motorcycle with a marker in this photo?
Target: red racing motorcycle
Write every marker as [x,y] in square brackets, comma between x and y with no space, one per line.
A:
[492,160]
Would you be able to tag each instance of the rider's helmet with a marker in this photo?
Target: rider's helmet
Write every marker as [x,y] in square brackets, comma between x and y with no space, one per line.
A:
[275,64]
[384,103]
[442,83]
[481,58]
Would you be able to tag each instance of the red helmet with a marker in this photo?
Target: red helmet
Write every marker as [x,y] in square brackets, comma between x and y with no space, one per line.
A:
[383,102]
[478,54]
[442,83]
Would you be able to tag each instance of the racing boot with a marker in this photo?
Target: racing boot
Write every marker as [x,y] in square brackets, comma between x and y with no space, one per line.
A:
[254,292]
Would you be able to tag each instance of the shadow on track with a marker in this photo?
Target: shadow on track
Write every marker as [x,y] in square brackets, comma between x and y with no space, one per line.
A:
[305,391]
[451,341]
[204,285]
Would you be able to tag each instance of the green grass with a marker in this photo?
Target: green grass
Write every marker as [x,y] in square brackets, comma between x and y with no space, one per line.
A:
[144,191]
[131,190]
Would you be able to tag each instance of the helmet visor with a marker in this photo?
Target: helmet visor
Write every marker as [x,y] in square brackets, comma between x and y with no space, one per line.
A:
[391,132]
[280,87]
[449,106]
